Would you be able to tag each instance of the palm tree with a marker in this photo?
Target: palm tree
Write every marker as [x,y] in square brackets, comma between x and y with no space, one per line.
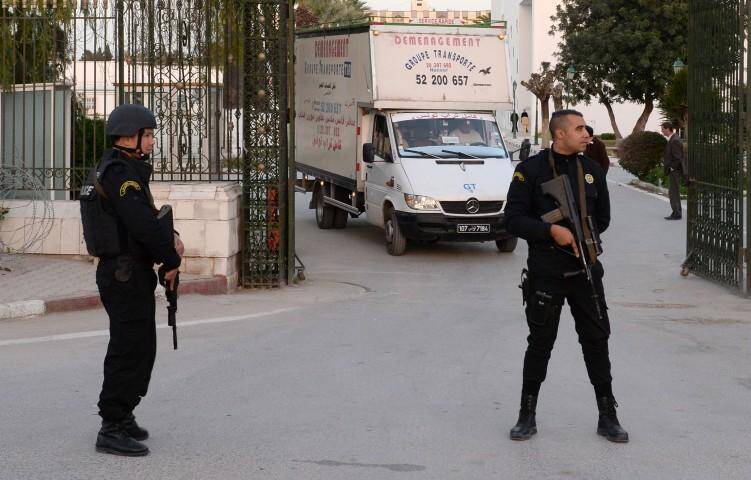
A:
[542,85]
[336,11]
[482,19]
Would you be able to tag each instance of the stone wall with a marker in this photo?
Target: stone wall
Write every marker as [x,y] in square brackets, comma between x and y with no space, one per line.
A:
[207,215]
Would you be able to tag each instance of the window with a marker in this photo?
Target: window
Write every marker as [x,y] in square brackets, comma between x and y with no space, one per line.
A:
[90,103]
[381,143]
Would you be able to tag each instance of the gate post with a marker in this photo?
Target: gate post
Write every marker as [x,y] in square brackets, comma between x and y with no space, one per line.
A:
[266,193]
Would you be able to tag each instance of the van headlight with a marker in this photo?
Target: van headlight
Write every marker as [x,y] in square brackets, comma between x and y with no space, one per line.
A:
[419,202]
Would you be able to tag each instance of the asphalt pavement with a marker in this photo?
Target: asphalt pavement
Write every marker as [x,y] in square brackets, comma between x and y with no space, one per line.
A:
[380,367]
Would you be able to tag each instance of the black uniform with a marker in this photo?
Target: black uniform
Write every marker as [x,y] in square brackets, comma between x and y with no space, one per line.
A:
[550,267]
[127,281]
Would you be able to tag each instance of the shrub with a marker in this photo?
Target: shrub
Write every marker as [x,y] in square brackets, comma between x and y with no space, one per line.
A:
[657,176]
[606,136]
[641,152]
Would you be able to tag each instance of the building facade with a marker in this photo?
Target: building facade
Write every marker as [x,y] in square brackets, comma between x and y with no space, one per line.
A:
[421,13]
[529,44]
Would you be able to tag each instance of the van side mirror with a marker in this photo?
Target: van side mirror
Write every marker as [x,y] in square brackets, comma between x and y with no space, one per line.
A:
[524,150]
[368,153]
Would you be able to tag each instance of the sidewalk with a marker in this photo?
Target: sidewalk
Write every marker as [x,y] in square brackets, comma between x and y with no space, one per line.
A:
[38,284]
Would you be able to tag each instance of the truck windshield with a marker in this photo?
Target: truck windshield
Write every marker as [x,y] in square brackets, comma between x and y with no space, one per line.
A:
[432,135]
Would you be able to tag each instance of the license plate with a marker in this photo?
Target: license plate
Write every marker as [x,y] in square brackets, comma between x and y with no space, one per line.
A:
[473,228]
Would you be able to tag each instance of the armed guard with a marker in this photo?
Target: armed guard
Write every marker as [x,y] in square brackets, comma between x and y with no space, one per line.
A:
[563,265]
[121,228]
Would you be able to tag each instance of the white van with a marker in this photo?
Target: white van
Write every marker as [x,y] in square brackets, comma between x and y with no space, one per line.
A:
[397,122]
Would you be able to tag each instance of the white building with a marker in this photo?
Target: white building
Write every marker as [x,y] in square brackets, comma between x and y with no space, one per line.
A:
[529,44]
[420,12]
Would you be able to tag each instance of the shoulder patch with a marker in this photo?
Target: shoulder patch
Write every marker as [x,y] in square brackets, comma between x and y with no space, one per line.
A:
[126,184]
[519,176]
[589,178]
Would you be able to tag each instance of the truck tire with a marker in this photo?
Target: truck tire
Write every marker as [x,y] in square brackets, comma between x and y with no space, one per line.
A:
[324,213]
[507,244]
[396,242]
[340,218]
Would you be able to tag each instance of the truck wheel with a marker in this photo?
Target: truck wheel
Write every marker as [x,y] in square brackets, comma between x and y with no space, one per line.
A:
[324,213]
[340,218]
[507,244]
[396,242]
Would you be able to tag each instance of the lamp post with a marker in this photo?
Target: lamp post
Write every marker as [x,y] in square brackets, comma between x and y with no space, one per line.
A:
[515,118]
[570,72]
[678,66]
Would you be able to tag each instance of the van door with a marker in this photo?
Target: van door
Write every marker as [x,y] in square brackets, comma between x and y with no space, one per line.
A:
[378,173]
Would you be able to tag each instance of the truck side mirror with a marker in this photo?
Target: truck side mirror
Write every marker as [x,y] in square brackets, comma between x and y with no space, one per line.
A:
[368,153]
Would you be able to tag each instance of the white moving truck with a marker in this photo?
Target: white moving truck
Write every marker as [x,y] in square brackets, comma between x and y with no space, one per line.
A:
[397,122]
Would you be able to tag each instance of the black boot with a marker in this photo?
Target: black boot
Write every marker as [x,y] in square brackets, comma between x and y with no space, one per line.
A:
[526,426]
[608,425]
[133,429]
[113,438]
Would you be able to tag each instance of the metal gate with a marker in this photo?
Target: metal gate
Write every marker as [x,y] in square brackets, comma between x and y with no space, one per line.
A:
[268,192]
[718,204]
[213,71]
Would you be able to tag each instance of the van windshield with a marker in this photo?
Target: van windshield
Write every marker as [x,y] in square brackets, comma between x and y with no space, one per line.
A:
[447,135]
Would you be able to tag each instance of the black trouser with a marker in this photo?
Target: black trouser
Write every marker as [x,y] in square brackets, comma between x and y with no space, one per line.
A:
[128,298]
[674,192]
[544,305]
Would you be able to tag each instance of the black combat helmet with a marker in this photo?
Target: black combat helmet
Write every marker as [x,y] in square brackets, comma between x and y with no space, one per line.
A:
[128,120]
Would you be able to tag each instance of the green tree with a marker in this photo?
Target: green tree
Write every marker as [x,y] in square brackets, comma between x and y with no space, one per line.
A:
[674,103]
[623,50]
[33,42]
[336,11]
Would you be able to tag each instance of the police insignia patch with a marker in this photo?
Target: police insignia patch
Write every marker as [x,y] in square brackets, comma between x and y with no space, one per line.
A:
[126,184]
[589,178]
[519,176]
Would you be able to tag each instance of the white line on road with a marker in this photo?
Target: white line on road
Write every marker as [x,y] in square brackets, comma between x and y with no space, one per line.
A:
[104,333]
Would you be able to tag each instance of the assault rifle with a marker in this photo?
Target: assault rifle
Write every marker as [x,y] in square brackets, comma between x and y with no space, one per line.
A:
[560,189]
[165,219]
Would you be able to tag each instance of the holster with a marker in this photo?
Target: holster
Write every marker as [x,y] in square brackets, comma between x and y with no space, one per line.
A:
[124,269]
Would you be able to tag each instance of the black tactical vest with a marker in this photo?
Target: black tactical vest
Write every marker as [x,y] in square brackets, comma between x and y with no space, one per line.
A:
[99,223]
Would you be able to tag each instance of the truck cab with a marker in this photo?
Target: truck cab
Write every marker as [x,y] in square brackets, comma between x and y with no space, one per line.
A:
[437,176]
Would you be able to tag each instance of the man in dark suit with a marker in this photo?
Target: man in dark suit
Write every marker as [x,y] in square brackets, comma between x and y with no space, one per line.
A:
[596,150]
[674,162]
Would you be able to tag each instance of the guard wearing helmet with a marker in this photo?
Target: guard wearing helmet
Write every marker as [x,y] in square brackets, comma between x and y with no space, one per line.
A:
[121,228]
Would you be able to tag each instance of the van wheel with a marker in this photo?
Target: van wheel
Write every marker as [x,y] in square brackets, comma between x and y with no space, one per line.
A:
[340,218]
[324,213]
[396,242]
[507,244]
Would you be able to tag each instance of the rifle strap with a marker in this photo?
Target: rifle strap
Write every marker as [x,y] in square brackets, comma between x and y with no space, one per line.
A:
[589,239]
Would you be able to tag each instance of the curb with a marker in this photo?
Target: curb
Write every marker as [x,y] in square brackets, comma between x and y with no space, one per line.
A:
[651,188]
[208,286]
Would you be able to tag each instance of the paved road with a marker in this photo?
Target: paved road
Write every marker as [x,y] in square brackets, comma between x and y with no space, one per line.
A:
[379,367]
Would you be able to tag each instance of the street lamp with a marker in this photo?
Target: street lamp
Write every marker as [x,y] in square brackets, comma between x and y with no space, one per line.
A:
[678,66]
[514,117]
[570,72]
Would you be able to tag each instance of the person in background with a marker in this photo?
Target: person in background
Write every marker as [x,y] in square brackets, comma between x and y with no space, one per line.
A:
[674,163]
[466,134]
[597,151]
